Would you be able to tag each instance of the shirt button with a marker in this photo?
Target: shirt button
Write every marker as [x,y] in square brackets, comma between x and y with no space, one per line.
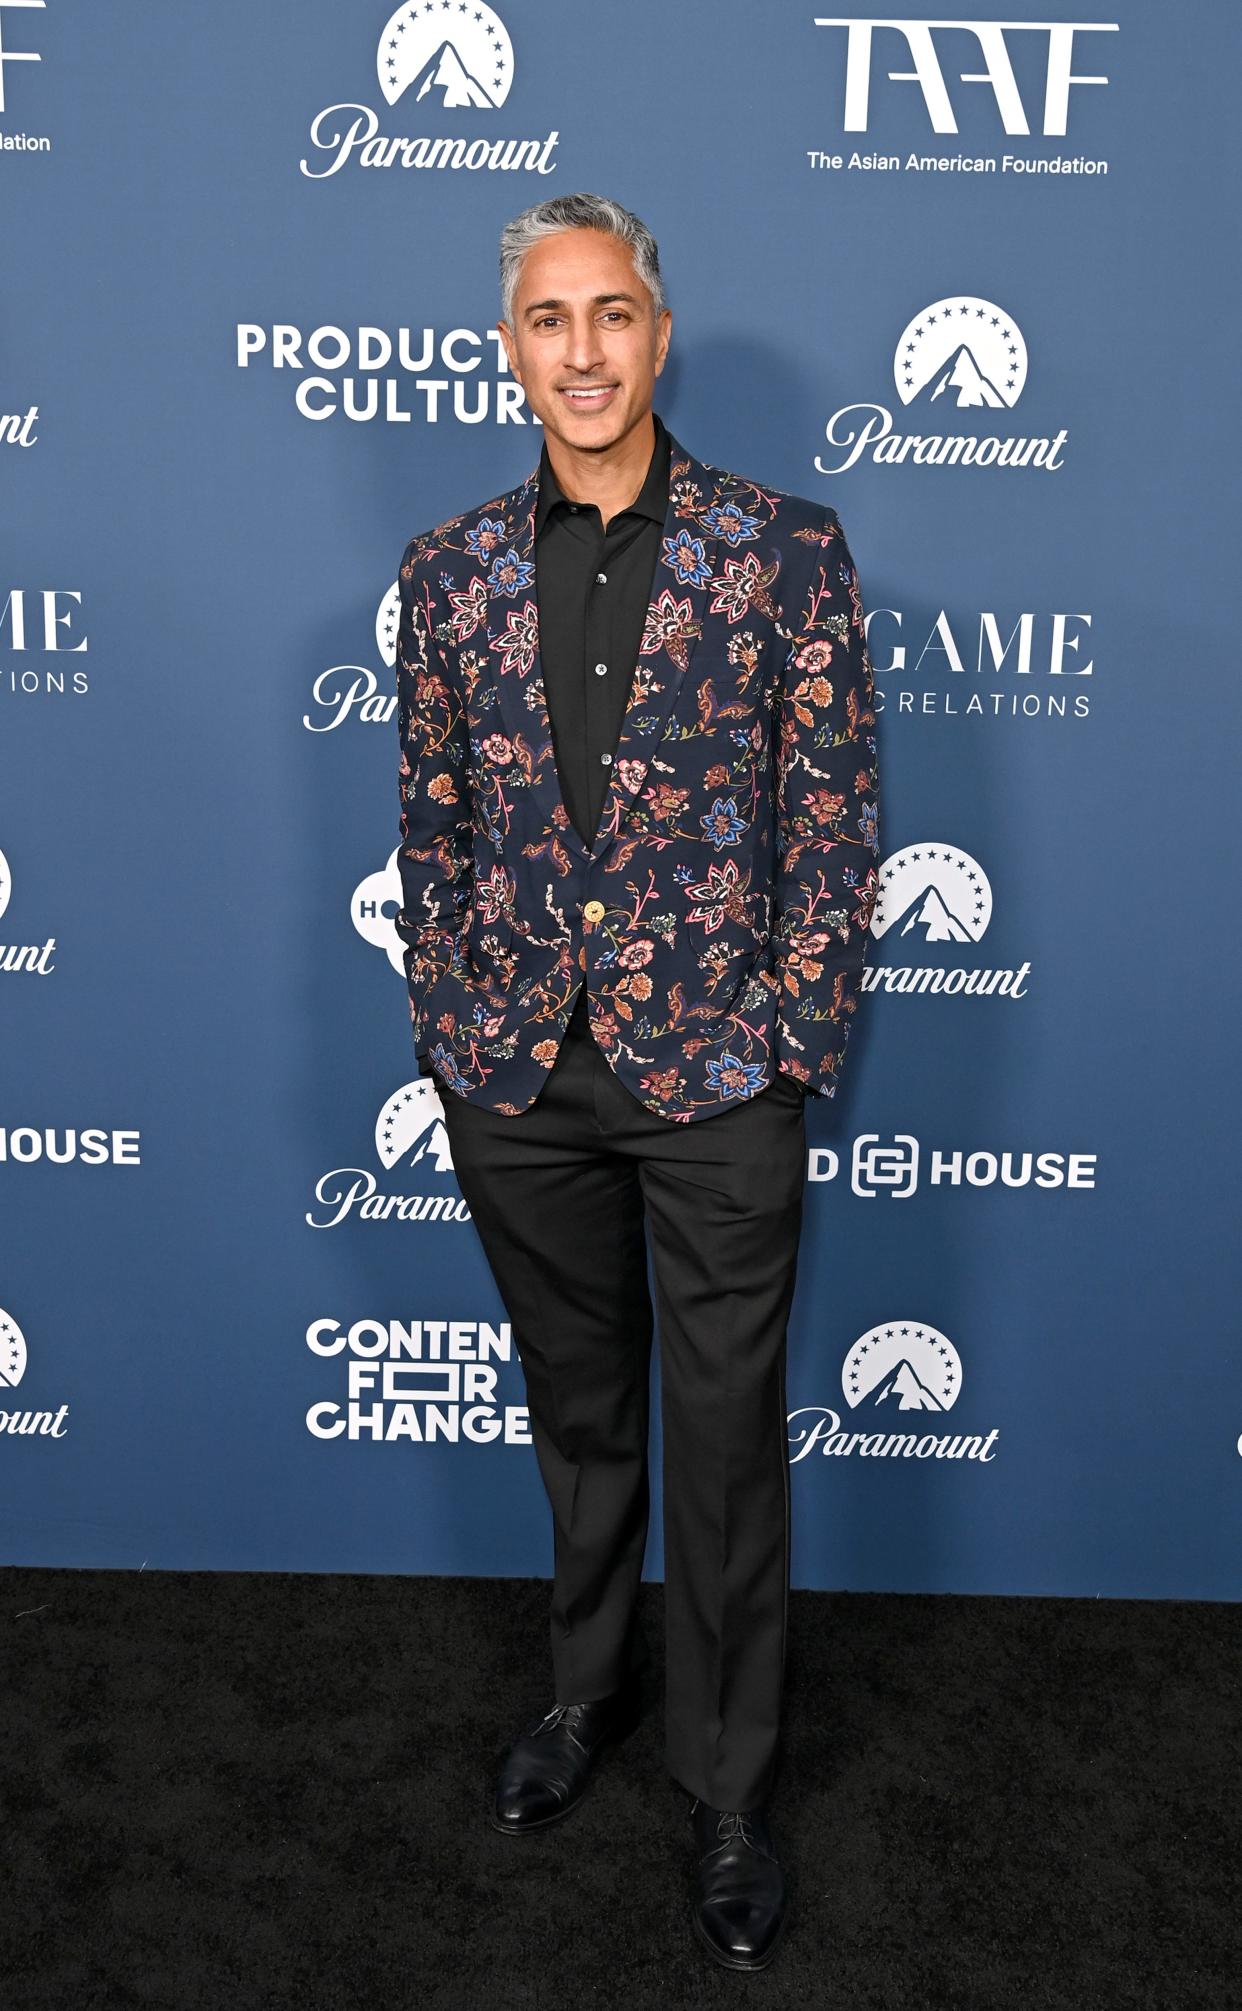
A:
[601,670]
[594,911]
[601,579]
[606,759]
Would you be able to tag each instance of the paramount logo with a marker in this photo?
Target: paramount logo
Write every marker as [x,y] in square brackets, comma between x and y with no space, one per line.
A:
[469,69]
[903,1366]
[964,376]
[446,75]
[961,354]
[935,895]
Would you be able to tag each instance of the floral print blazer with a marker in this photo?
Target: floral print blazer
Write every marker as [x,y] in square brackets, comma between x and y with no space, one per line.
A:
[719,920]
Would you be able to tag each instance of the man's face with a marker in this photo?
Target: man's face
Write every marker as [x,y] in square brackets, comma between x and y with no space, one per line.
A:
[582,321]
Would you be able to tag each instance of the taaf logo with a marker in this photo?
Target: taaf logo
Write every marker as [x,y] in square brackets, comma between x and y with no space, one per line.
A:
[936,894]
[990,38]
[960,354]
[351,690]
[466,60]
[14,55]
[893,1373]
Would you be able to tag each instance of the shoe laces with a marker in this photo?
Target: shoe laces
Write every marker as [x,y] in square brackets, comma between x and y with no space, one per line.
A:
[552,1718]
[734,1822]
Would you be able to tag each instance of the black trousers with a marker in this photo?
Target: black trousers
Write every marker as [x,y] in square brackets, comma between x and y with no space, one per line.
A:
[562,1197]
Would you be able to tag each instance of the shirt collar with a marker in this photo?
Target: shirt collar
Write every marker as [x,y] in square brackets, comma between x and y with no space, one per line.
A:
[651,500]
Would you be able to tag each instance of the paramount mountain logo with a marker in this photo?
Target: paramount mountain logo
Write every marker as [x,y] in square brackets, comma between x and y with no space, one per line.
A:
[409,1133]
[963,351]
[23,958]
[12,1351]
[351,690]
[410,1127]
[961,354]
[445,56]
[901,1367]
[906,1390]
[937,890]
[932,895]
[470,64]
[23,1423]
[878,1369]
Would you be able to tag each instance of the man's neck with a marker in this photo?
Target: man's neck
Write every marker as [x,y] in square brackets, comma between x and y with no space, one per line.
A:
[611,477]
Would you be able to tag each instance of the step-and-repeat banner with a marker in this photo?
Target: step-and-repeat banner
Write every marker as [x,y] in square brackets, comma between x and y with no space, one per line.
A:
[970,280]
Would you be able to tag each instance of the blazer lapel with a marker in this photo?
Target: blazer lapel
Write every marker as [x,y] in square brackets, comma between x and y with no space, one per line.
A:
[672,628]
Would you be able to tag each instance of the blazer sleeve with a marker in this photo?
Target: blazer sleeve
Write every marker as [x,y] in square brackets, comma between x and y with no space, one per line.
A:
[827,800]
[436,852]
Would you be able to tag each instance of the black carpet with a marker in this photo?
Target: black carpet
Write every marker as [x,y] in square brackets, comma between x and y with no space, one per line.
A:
[231,1791]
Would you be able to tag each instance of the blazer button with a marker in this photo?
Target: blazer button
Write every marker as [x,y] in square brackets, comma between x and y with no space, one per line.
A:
[594,911]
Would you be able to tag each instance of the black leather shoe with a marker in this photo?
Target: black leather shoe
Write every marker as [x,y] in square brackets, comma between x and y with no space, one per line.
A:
[547,1768]
[739,1906]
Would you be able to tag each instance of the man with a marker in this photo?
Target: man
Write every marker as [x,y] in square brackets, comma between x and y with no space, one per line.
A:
[638,845]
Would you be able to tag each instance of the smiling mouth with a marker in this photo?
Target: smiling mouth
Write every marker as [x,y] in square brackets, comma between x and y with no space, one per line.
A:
[586,395]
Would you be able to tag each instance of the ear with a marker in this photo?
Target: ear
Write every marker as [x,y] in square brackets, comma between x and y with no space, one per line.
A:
[506,335]
[664,332]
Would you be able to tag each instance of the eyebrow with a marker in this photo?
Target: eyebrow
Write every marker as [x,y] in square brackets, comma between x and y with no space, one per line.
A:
[598,300]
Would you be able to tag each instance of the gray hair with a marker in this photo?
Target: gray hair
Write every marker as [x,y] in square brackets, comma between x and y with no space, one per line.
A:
[577,212]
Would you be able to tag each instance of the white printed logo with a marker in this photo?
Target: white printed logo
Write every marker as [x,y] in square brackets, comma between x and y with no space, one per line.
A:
[902,1367]
[351,690]
[23,1423]
[956,360]
[374,905]
[965,351]
[998,69]
[409,1132]
[410,1127]
[442,56]
[880,1166]
[937,892]
[387,618]
[14,55]
[890,1379]
[472,65]
[22,958]
[12,1351]
[422,1380]
[17,428]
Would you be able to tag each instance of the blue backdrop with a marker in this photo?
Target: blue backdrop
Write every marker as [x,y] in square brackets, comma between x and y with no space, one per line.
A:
[973,286]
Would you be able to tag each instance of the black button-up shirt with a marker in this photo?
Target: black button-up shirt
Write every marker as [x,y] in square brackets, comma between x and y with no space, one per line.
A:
[592,586]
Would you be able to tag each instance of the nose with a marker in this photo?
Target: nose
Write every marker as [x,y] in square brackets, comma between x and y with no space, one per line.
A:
[585,348]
